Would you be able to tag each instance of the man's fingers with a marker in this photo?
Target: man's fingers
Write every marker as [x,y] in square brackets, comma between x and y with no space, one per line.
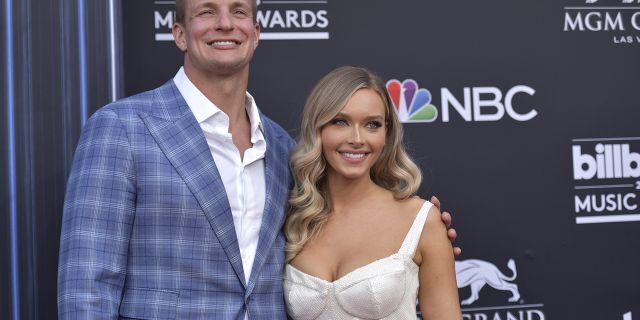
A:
[446,218]
[435,202]
[452,234]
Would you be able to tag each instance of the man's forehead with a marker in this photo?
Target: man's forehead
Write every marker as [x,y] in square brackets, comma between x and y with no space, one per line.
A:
[233,3]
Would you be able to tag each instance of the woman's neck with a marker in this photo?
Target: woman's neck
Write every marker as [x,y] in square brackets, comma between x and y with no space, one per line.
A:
[346,193]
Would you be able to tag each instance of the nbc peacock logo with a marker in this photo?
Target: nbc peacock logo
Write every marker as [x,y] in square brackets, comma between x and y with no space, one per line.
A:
[412,103]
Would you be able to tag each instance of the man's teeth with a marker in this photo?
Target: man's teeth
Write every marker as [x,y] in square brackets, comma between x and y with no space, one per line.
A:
[223,43]
[353,155]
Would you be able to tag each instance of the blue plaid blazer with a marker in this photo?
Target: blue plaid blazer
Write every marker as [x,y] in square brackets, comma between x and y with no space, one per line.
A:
[147,231]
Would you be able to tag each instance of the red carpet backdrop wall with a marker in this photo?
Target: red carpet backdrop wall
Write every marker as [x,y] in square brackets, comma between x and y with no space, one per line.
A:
[523,115]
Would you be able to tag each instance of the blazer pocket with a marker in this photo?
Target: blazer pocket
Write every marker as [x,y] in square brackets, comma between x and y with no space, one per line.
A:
[140,303]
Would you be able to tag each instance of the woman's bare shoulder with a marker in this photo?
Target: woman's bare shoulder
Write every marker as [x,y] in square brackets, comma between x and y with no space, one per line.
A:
[411,205]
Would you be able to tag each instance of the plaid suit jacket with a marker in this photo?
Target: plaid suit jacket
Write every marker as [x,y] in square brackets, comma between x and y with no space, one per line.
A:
[147,231]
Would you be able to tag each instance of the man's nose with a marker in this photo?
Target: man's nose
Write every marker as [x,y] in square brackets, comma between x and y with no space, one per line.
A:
[224,21]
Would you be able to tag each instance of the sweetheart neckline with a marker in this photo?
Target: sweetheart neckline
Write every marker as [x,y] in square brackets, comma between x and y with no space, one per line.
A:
[424,204]
[344,276]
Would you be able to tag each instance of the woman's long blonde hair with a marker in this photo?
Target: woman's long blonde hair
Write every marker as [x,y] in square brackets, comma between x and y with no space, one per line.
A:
[394,170]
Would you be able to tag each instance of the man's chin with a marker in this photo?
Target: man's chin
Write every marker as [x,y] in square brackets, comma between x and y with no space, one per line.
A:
[221,68]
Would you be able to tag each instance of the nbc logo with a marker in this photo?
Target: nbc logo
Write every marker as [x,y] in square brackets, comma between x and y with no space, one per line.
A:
[476,104]
[412,104]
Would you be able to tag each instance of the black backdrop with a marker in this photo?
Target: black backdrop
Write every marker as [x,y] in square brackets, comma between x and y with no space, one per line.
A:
[557,193]
[509,183]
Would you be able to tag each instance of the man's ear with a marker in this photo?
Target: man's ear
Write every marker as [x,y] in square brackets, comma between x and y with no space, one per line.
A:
[179,36]
[257,28]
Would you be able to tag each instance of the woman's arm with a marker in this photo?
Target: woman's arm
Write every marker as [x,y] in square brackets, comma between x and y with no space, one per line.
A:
[438,293]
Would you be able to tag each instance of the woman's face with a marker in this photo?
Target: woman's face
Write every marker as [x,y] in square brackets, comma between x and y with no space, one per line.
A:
[353,140]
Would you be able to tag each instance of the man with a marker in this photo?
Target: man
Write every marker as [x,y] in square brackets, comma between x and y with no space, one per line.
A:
[177,196]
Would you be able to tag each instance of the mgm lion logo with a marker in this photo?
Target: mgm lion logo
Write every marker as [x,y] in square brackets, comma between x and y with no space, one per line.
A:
[477,273]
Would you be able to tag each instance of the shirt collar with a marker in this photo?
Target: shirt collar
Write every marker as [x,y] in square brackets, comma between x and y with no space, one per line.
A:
[203,108]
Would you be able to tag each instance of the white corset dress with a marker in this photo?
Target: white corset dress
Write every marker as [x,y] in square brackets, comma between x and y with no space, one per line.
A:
[384,289]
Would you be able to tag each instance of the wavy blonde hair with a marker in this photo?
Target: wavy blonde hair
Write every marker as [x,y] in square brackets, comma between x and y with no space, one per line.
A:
[394,170]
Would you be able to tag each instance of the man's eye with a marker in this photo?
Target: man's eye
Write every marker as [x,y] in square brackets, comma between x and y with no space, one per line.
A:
[205,12]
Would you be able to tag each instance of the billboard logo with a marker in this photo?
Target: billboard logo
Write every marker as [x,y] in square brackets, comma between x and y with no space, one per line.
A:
[606,172]
[610,161]
[293,20]
[476,104]
[475,274]
[278,20]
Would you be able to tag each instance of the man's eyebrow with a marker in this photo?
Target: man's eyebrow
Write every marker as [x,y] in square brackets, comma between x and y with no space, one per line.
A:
[237,4]
[207,4]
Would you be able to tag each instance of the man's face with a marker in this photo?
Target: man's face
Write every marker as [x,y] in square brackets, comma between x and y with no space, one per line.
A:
[218,36]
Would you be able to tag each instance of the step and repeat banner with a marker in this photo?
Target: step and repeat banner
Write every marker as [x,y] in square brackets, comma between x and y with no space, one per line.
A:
[523,115]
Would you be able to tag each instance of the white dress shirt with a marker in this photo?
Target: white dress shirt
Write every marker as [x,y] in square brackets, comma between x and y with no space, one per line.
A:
[243,179]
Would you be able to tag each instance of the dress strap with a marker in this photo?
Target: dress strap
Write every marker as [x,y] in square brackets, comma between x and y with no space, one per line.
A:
[413,236]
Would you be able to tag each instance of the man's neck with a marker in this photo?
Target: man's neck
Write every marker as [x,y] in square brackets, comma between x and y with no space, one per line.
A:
[227,92]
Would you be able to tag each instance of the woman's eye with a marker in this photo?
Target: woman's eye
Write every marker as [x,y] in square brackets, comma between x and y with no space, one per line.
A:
[339,122]
[373,124]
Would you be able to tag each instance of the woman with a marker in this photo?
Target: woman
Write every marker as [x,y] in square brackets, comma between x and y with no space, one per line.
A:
[360,246]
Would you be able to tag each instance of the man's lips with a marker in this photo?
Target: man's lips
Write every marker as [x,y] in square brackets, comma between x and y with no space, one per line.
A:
[223,43]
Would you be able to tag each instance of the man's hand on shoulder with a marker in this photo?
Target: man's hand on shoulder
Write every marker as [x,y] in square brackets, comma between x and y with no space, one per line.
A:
[446,218]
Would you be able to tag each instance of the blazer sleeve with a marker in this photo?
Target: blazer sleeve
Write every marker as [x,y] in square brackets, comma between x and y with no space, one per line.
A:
[98,214]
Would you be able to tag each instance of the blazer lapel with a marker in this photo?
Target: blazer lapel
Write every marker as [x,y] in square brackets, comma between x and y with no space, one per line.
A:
[181,140]
[277,189]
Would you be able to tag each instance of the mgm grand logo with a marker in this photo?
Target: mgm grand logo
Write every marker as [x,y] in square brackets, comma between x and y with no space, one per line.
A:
[476,275]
